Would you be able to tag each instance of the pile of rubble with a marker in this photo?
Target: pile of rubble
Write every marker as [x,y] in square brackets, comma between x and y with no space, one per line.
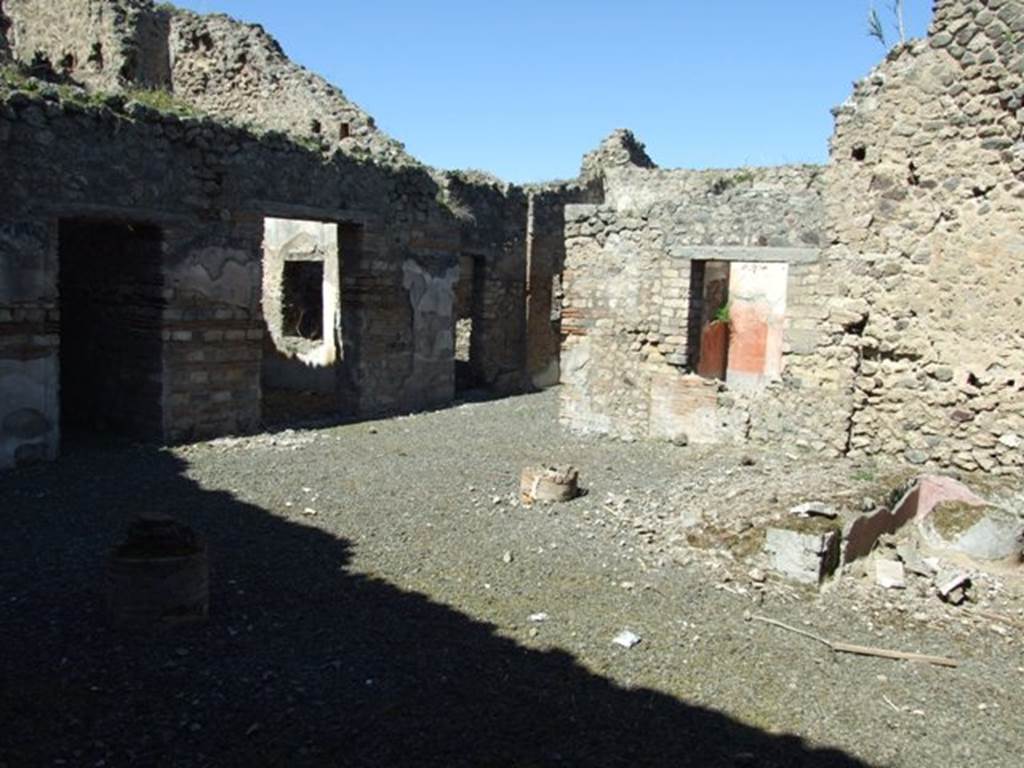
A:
[929,547]
[938,529]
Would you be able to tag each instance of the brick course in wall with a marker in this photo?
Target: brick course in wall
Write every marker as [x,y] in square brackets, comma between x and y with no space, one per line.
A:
[208,187]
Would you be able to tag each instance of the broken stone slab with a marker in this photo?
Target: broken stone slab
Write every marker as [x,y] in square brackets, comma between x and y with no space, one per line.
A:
[862,534]
[549,484]
[984,533]
[913,562]
[814,509]
[889,574]
[937,489]
[807,556]
[952,586]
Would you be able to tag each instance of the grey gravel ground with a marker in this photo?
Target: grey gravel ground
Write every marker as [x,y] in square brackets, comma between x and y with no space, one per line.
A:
[371,592]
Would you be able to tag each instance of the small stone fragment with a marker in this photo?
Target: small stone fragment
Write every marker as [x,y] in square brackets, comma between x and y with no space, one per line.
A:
[814,509]
[538,618]
[889,574]
[1011,440]
[627,639]
[913,561]
[952,586]
[507,558]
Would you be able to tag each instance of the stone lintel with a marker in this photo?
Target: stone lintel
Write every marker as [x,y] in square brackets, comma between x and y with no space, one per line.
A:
[792,255]
[118,213]
[277,210]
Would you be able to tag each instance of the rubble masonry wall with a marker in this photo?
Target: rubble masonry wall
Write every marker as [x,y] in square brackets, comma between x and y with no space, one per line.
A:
[919,347]
[627,315]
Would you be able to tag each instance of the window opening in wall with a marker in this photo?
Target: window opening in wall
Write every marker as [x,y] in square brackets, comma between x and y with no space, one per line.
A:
[467,313]
[111,319]
[302,299]
[304,370]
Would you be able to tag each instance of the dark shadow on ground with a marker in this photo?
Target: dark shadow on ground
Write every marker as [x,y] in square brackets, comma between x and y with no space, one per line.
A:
[301,663]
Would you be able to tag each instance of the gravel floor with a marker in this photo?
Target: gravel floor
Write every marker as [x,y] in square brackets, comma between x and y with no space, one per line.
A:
[372,589]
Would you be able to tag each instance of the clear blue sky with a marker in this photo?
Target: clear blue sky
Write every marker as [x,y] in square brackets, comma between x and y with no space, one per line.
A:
[522,88]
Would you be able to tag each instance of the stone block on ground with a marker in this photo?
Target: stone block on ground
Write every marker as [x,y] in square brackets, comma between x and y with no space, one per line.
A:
[889,574]
[549,484]
[807,556]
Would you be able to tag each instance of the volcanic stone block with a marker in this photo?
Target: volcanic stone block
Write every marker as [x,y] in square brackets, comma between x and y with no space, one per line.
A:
[158,576]
[549,484]
[806,556]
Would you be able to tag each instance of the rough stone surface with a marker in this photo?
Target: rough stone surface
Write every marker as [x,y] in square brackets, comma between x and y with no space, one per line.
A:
[807,557]
[630,314]
[982,533]
[920,353]
[225,157]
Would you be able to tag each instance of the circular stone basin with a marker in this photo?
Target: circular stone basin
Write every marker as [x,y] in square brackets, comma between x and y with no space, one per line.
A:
[548,484]
[158,576]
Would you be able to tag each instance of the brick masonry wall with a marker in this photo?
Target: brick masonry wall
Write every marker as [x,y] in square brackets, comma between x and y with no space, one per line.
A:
[545,264]
[208,187]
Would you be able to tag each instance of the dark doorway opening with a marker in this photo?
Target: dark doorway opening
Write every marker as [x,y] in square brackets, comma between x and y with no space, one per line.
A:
[111,305]
[469,322]
[708,333]
[302,299]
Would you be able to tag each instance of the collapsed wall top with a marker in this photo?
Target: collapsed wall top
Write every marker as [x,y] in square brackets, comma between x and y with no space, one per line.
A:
[212,64]
[620,148]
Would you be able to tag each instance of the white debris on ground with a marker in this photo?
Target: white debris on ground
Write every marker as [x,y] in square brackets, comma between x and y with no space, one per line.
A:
[627,639]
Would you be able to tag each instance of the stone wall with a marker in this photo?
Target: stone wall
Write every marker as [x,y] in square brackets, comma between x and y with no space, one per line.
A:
[919,348]
[545,260]
[237,71]
[208,189]
[632,291]
[492,217]
[271,144]
[214,64]
[105,44]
